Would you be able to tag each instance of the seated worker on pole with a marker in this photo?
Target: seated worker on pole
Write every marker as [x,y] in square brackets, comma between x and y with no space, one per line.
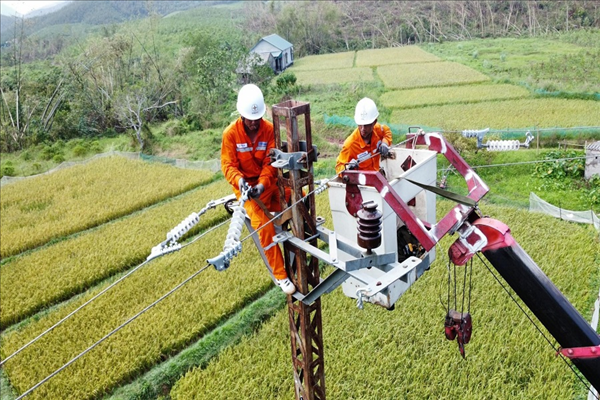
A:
[245,162]
[370,140]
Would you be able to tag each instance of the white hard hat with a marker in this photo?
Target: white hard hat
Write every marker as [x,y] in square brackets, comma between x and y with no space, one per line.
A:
[250,102]
[366,112]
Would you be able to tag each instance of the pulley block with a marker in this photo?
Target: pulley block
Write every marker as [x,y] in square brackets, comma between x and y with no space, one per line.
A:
[458,326]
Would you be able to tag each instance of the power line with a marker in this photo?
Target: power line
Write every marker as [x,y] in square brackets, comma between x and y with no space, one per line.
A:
[98,295]
[30,390]
[530,162]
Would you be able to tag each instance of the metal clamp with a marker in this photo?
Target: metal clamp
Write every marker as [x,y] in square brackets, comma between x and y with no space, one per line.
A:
[581,352]
[293,161]
[359,297]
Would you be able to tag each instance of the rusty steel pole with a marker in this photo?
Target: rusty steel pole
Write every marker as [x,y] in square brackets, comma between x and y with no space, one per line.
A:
[306,332]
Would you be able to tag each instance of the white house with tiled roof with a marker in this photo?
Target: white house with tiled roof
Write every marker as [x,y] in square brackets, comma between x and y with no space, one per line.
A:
[276,51]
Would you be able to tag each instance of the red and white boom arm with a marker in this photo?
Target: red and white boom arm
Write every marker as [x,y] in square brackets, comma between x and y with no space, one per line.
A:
[579,340]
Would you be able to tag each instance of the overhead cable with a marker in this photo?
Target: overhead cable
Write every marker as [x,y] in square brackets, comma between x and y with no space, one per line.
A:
[2,362]
[30,390]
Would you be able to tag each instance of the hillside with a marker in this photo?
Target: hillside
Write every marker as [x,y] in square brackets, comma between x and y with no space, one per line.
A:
[102,12]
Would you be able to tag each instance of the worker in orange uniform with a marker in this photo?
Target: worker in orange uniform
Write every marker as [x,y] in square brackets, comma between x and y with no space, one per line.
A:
[245,162]
[370,140]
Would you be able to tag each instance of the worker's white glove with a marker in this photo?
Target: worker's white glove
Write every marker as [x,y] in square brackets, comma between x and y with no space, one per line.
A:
[384,150]
[257,190]
[353,164]
[242,185]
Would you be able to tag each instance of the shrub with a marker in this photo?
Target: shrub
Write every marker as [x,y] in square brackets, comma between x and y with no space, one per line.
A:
[96,147]
[26,155]
[8,169]
[47,152]
[79,150]
[559,165]
[175,128]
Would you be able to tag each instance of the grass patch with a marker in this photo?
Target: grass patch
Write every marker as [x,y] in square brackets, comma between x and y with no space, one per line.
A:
[41,158]
[565,62]
[511,183]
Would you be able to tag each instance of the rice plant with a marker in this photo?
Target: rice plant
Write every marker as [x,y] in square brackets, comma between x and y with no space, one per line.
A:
[508,114]
[428,74]
[412,98]
[403,354]
[37,280]
[333,76]
[37,210]
[324,61]
[393,55]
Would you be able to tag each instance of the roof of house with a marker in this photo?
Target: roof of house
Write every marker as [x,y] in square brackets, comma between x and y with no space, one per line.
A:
[277,41]
[594,146]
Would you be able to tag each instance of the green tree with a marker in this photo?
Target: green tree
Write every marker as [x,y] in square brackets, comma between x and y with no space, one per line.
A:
[211,65]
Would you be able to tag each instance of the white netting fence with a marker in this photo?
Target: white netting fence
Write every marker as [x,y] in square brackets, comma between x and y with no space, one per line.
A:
[536,204]
[211,165]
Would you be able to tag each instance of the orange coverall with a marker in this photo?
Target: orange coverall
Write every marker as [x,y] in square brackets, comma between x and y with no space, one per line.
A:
[355,148]
[240,158]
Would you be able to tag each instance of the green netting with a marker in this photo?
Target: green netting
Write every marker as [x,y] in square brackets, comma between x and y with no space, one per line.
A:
[164,160]
[211,165]
[556,132]
[397,129]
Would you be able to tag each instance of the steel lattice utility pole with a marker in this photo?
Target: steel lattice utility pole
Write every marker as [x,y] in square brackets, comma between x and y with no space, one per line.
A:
[306,331]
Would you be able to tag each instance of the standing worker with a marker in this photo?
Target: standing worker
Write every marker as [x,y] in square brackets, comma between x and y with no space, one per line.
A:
[370,140]
[245,162]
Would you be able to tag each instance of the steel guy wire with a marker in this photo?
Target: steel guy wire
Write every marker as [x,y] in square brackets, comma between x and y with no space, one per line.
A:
[164,296]
[2,362]
[581,379]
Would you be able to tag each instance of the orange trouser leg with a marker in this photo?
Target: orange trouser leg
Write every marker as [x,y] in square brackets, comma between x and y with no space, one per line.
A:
[258,219]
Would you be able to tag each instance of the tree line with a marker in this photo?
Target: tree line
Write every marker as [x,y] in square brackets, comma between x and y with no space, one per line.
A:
[319,27]
[121,79]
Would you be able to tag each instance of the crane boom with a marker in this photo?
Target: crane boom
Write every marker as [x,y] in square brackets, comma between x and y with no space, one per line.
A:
[537,291]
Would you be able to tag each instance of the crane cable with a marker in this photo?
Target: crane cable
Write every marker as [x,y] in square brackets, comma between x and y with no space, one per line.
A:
[164,296]
[581,379]
[2,362]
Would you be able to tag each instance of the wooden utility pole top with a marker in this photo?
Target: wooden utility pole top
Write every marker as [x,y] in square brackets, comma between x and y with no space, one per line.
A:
[306,331]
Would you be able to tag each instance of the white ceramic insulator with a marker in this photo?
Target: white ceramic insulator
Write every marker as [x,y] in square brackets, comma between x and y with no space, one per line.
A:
[503,145]
[235,229]
[183,227]
[322,187]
